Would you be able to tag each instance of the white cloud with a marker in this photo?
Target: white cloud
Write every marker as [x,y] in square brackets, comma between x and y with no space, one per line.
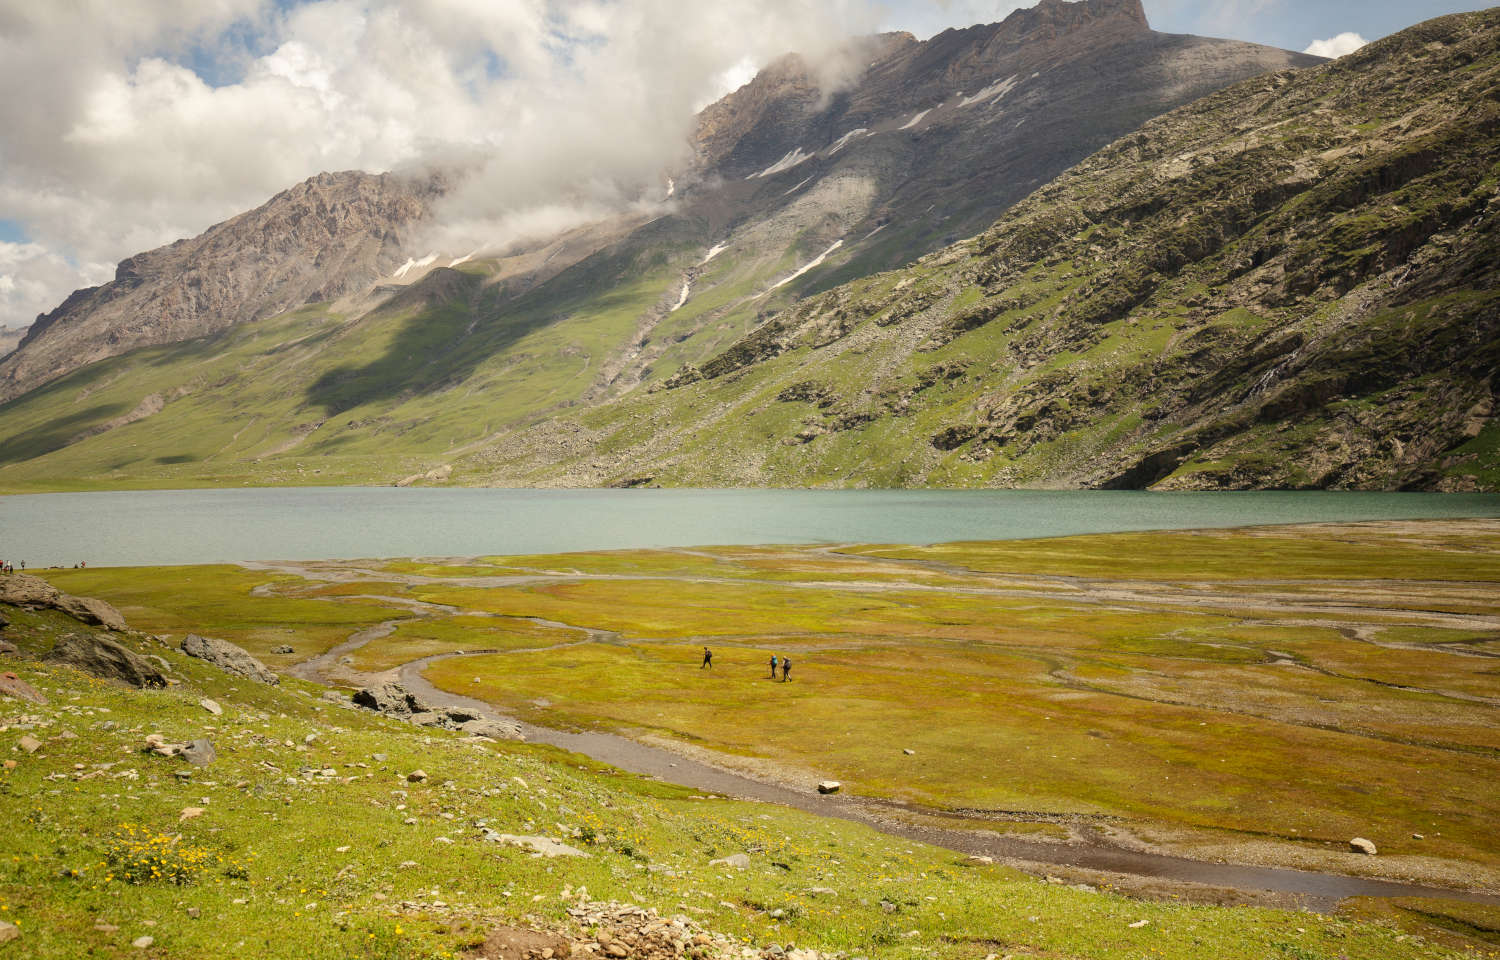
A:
[1335,47]
[111,143]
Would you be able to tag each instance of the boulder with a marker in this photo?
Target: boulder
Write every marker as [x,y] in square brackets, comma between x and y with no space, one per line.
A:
[6,647]
[91,611]
[429,718]
[1361,845]
[29,744]
[228,657]
[494,729]
[212,706]
[829,786]
[13,686]
[24,590]
[284,648]
[200,753]
[102,657]
[9,931]
[390,698]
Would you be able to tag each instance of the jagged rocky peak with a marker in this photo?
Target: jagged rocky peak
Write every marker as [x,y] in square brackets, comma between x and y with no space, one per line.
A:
[332,234]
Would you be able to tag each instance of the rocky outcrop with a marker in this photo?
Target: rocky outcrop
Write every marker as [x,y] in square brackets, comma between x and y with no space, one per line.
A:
[394,700]
[24,590]
[99,656]
[228,657]
[334,234]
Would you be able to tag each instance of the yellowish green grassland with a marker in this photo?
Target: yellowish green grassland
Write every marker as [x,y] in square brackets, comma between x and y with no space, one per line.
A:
[1259,695]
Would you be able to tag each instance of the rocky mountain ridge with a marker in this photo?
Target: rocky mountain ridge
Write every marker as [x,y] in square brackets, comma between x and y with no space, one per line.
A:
[331,235]
[795,191]
[1291,283]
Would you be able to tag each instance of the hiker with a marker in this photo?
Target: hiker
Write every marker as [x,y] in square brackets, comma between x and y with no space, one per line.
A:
[786,669]
[773,666]
[708,659]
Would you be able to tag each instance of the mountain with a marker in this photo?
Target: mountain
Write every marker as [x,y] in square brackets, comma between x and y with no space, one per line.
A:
[329,236]
[1290,283]
[394,359]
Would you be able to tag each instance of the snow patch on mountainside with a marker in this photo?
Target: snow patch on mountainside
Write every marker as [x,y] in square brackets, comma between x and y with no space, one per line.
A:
[916,119]
[814,264]
[687,286]
[714,251]
[793,158]
[992,92]
[411,264]
[799,186]
[844,140]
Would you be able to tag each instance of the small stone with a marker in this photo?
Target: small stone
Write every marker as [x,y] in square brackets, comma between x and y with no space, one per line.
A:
[9,932]
[1418,836]
[190,813]
[106,927]
[738,861]
[211,706]
[1361,845]
[310,738]
[141,943]
[417,776]
[829,786]
[193,912]
[909,752]
[283,649]
[29,743]
[378,757]
[1138,924]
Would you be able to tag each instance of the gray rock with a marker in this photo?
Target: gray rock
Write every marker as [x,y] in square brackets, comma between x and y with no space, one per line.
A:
[829,786]
[417,776]
[494,729]
[9,932]
[212,706]
[284,648]
[459,717]
[29,743]
[13,686]
[91,611]
[228,657]
[102,657]
[1361,845]
[430,718]
[6,647]
[739,861]
[200,753]
[141,943]
[390,698]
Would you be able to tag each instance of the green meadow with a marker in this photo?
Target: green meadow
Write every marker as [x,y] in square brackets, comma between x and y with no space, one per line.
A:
[1257,696]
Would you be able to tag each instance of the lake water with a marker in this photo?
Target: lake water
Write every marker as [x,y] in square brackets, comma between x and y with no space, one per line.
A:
[162,527]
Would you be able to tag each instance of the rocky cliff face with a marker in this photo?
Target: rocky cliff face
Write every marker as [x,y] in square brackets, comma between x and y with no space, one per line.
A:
[333,234]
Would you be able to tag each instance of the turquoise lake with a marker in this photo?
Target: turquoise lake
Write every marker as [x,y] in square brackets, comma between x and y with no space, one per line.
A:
[307,523]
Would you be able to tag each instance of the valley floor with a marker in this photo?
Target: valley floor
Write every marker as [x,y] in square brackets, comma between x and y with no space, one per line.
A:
[1237,700]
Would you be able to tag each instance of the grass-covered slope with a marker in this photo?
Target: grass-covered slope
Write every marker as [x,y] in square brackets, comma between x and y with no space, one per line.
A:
[1290,283]
[305,838]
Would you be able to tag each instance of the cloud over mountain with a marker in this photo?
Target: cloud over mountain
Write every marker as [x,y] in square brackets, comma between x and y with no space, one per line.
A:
[141,121]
